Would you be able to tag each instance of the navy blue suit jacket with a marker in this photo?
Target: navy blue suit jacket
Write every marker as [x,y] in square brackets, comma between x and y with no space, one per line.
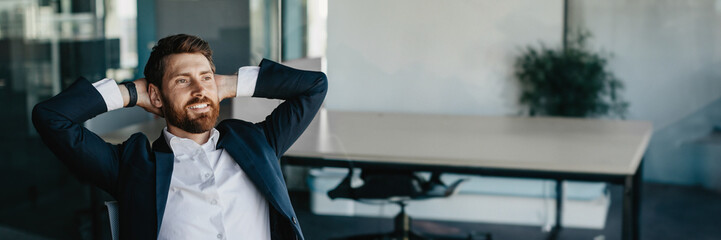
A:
[138,174]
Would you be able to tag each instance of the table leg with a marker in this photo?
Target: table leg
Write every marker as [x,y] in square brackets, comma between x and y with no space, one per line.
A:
[638,183]
[559,210]
[632,205]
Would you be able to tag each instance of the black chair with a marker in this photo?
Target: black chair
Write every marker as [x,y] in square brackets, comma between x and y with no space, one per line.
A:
[397,187]
[114,215]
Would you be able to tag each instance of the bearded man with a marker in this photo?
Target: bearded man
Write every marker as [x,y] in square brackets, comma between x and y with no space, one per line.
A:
[196,181]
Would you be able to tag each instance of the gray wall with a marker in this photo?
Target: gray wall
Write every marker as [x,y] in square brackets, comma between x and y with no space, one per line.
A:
[431,56]
[668,52]
[225,24]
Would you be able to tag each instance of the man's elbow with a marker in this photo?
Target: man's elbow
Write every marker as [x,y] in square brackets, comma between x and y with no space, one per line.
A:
[322,81]
[41,116]
[37,116]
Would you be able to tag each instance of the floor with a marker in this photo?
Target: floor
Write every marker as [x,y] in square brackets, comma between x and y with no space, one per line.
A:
[668,212]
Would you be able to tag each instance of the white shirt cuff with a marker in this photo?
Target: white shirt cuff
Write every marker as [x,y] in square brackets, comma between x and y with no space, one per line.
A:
[247,77]
[110,92]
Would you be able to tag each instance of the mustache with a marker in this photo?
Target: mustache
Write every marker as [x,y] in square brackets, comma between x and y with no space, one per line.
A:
[199,100]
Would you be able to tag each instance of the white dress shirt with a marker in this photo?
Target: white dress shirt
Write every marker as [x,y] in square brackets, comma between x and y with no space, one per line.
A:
[210,197]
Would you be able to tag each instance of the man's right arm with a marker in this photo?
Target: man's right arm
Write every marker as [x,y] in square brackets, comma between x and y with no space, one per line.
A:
[59,120]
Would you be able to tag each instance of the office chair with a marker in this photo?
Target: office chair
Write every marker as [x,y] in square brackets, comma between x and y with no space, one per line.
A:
[397,187]
[114,216]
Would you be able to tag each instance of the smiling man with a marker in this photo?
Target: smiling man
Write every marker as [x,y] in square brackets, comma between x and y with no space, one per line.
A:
[197,180]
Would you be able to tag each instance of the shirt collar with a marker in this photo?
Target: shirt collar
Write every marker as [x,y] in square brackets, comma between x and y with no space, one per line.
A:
[186,146]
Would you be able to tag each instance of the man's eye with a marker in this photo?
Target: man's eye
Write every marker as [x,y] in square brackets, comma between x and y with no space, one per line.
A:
[208,78]
[182,80]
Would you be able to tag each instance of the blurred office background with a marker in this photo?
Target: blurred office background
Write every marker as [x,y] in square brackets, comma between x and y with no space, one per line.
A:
[429,56]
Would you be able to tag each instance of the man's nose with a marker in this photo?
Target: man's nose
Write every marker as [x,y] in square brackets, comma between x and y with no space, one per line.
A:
[197,89]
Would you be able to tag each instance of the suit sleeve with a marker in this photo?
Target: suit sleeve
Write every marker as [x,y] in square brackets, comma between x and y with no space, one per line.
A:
[58,121]
[303,92]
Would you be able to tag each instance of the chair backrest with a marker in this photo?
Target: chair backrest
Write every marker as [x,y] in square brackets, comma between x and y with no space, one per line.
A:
[114,216]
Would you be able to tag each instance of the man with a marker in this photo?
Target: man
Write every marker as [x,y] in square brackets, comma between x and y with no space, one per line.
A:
[195,181]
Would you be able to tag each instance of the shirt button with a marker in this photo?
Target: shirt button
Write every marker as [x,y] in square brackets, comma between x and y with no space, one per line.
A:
[295,221]
[213,202]
[207,175]
[219,236]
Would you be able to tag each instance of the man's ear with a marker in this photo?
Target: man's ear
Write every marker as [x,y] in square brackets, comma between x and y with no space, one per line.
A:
[154,95]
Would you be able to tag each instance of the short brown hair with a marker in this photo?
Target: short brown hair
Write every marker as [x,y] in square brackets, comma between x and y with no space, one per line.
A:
[180,43]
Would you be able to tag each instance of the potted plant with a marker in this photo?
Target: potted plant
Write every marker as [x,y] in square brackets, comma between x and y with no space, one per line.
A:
[571,81]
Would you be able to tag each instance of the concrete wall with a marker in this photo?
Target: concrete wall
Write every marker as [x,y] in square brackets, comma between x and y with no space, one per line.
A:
[430,56]
[668,53]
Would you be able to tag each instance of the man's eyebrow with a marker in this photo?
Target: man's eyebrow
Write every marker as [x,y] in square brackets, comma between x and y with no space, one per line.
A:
[187,74]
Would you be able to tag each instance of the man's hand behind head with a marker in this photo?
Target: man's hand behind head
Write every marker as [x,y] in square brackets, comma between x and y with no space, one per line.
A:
[227,86]
[141,86]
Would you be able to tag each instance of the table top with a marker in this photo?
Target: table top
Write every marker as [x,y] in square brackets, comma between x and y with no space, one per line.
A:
[568,145]
[519,143]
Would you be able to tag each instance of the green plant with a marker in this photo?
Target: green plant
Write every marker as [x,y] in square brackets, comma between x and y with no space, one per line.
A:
[571,82]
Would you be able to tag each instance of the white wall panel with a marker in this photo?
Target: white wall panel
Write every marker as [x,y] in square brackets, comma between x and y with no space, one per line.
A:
[432,56]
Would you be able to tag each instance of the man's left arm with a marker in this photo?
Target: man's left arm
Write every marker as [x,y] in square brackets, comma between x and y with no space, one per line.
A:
[303,92]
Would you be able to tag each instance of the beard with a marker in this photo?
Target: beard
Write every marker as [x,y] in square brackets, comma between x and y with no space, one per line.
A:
[180,118]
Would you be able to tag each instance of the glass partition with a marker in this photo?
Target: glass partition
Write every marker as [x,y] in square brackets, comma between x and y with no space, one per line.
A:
[45,45]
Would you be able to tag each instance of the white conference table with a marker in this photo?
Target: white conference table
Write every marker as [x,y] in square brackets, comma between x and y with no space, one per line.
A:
[540,147]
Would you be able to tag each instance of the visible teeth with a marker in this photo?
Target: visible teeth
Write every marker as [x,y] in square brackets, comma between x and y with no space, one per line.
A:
[200,106]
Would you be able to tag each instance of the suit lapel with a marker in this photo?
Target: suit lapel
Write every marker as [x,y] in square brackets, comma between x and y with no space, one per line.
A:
[246,159]
[163,172]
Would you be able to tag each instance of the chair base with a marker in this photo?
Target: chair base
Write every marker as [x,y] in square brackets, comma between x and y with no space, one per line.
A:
[415,236]
[403,231]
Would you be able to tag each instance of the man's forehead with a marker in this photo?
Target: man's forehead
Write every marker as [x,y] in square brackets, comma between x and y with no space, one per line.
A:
[186,64]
